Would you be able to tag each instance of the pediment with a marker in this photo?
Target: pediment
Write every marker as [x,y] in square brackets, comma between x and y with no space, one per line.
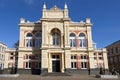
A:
[55,8]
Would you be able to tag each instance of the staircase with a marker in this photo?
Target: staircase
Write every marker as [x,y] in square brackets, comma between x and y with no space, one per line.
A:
[57,74]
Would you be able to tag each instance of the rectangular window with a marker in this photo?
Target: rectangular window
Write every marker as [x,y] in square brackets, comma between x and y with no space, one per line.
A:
[28,65]
[38,43]
[29,43]
[117,49]
[73,65]
[112,51]
[83,57]
[101,58]
[11,54]
[11,58]
[72,42]
[73,56]
[38,65]
[99,54]
[83,65]
[30,56]
[38,56]
[115,59]
[111,59]
[95,57]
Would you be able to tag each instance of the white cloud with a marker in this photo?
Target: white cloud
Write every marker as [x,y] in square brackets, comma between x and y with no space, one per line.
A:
[29,2]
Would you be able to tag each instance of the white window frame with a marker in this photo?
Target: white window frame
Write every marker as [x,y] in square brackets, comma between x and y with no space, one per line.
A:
[74,65]
[82,41]
[73,57]
[56,38]
[83,65]
[28,65]
[29,40]
[72,40]
[84,56]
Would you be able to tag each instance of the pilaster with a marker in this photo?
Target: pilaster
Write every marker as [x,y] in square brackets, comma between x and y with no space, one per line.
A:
[66,32]
[105,60]
[67,59]
[91,60]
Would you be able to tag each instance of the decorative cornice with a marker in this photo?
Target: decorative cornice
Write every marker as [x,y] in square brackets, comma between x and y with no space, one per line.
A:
[55,19]
[80,24]
[29,24]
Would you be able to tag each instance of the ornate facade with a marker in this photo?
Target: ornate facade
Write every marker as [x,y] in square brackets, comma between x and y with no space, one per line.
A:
[3,47]
[57,44]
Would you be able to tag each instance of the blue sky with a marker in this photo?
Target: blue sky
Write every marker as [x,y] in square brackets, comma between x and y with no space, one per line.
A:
[104,14]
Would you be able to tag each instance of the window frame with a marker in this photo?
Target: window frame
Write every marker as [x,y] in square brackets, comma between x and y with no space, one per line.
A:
[82,40]
[29,40]
[74,65]
[72,40]
[83,65]
[38,39]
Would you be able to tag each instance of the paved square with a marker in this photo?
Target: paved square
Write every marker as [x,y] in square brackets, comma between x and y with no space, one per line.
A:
[38,77]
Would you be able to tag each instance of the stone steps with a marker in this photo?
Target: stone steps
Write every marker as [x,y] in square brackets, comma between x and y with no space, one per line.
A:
[56,74]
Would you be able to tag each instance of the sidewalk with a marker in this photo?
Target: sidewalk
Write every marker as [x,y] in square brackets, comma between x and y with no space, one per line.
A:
[38,77]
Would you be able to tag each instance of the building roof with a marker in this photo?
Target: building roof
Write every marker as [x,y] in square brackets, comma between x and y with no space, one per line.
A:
[3,43]
[118,41]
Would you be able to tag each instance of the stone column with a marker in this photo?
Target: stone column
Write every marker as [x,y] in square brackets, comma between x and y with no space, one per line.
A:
[63,66]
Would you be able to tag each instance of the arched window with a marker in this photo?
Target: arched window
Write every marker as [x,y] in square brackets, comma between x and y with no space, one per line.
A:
[72,40]
[38,40]
[82,40]
[29,42]
[56,37]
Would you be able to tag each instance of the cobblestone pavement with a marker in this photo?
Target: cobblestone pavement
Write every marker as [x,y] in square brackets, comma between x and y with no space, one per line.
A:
[38,77]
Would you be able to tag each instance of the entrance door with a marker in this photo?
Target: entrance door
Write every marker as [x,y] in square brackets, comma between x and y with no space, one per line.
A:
[55,63]
[56,66]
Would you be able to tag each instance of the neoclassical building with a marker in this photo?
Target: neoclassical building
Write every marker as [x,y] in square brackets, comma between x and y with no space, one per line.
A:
[3,47]
[55,43]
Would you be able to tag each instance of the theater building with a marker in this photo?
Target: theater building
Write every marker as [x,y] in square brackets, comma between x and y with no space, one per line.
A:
[55,43]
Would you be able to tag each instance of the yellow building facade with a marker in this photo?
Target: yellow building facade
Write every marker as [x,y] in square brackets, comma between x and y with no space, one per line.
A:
[55,43]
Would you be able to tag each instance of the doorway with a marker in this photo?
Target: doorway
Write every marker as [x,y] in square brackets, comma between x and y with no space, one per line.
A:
[55,63]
